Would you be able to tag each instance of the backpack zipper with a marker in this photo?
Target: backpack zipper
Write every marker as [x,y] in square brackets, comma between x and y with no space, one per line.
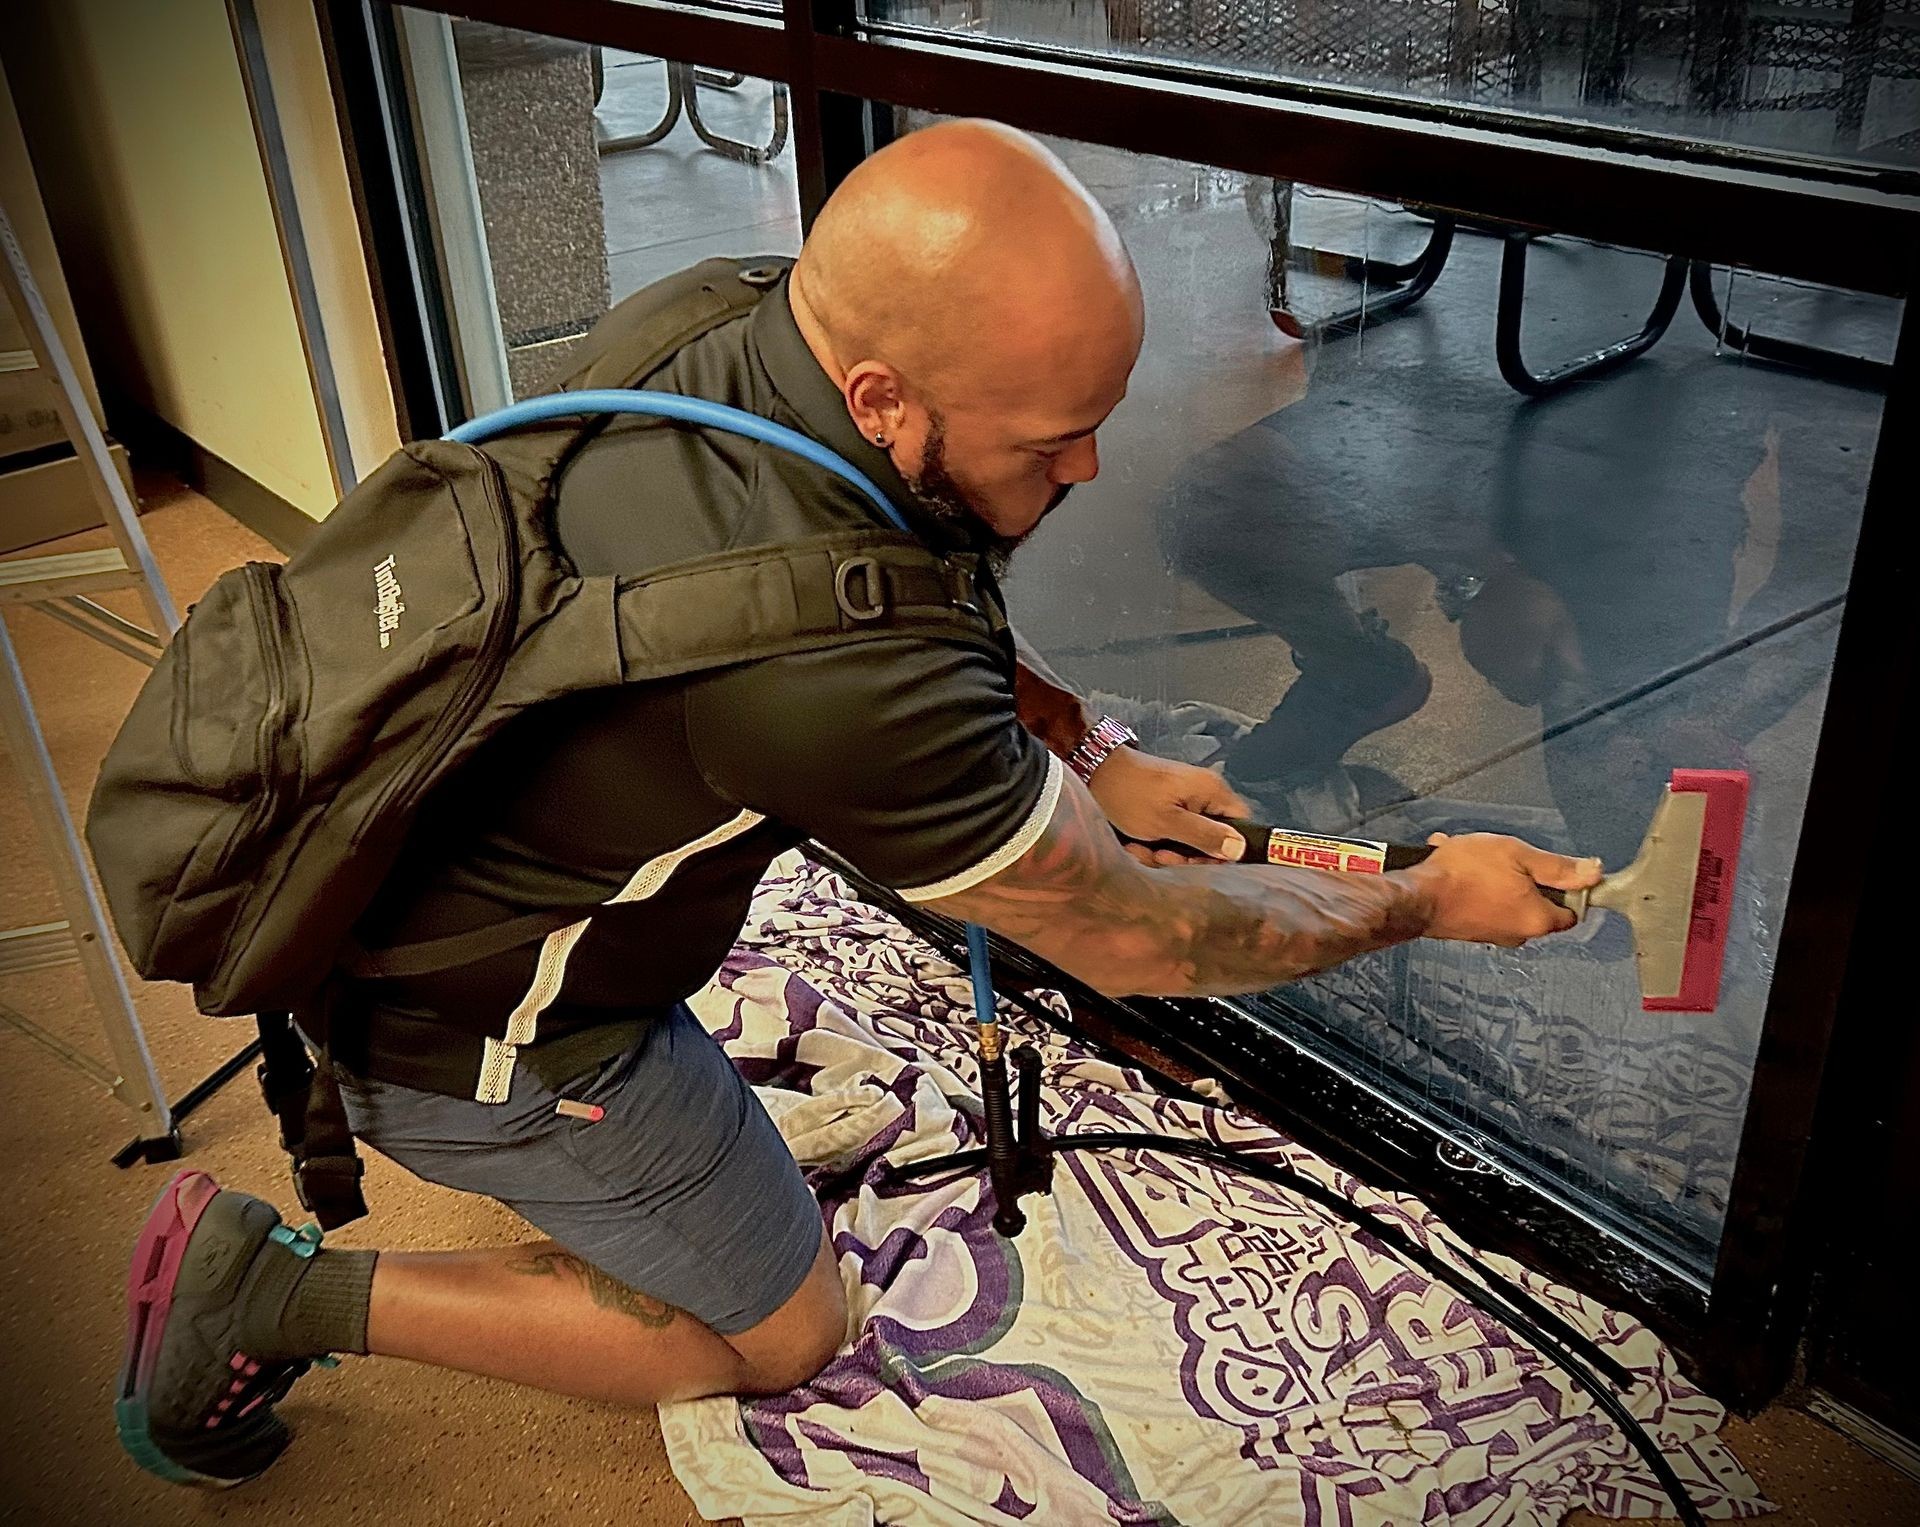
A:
[258,576]
[489,663]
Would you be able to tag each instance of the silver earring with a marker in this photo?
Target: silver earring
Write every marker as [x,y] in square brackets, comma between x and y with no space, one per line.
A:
[880,440]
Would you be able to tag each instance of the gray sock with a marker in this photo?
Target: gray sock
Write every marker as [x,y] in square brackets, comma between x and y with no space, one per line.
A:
[307,1306]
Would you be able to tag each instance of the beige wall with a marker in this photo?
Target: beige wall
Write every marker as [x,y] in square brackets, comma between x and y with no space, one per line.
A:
[138,119]
[21,197]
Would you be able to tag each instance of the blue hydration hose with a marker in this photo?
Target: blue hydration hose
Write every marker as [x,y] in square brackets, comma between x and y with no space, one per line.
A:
[734,421]
[671,405]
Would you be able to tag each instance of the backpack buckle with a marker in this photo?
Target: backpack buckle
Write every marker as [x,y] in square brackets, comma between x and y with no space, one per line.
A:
[871,589]
[966,591]
[328,1188]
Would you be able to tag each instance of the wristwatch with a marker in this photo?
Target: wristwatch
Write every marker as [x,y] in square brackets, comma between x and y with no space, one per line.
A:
[1098,745]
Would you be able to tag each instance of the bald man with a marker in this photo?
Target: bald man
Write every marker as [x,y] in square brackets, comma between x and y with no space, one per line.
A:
[962,320]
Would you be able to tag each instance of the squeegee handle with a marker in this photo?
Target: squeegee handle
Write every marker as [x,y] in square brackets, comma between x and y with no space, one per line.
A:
[1323,851]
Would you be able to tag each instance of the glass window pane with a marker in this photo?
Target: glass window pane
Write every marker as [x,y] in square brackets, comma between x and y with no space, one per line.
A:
[1808,77]
[561,177]
[1386,591]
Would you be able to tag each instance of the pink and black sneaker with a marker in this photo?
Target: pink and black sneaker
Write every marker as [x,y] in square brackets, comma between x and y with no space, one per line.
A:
[195,1405]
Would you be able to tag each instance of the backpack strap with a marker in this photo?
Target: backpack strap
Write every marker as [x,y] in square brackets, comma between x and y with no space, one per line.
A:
[305,1097]
[826,591]
[327,1172]
[634,339]
[640,333]
[427,955]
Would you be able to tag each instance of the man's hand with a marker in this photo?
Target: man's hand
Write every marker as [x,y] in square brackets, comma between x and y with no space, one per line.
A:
[1485,888]
[1151,799]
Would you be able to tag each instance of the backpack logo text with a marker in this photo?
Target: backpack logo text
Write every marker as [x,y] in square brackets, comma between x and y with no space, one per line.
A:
[387,600]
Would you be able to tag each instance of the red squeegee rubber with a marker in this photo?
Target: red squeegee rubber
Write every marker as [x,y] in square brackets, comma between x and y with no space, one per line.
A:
[1726,822]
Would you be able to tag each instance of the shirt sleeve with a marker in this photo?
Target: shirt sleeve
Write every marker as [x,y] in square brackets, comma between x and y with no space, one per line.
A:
[905,757]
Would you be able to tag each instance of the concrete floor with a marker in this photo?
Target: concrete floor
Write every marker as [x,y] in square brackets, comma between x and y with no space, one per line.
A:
[678,202]
[377,1442]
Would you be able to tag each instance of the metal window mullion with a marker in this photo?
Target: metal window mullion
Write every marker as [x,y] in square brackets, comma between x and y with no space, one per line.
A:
[1848,234]
[452,191]
[360,39]
[829,130]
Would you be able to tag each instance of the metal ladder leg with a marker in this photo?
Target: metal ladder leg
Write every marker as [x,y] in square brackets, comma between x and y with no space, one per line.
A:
[137,1085]
[57,585]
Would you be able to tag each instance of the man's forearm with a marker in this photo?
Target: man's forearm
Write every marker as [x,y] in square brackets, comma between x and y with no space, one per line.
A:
[1231,930]
[1046,706]
[1077,900]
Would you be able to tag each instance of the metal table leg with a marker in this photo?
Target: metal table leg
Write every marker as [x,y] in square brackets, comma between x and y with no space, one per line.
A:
[1835,365]
[683,96]
[1513,296]
[1409,280]
[733,148]
[677,88]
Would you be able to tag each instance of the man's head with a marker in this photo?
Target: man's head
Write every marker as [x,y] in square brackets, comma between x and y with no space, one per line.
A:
[979,315]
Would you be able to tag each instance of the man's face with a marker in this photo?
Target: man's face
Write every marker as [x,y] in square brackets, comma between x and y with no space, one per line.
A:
[1004,462]
[940,494]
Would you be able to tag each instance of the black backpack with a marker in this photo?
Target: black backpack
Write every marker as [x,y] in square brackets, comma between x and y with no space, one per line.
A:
[265,779]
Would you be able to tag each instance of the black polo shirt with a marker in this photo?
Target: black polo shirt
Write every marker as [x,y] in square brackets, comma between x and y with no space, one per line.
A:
[904,754]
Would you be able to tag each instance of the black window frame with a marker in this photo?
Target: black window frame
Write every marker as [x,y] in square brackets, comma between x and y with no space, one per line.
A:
[1841,224]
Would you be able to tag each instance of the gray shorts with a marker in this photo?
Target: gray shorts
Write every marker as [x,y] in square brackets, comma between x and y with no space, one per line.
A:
[684,1190]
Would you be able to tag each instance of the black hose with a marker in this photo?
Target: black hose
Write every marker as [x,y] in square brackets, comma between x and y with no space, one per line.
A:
[1487,1299]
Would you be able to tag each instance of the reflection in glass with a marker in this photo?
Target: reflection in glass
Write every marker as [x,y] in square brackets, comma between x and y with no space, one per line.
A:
[1382,588]
[1812,77]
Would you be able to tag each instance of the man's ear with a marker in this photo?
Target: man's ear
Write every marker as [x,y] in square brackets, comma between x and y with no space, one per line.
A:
[875,399]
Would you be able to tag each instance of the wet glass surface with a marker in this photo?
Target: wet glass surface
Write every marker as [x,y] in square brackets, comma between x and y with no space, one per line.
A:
[1387,592]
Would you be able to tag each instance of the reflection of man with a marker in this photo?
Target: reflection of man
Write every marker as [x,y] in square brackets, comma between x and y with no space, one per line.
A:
[961,322]
[1583,548]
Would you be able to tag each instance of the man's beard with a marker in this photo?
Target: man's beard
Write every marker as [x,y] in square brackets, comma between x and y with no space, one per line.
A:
[942,500]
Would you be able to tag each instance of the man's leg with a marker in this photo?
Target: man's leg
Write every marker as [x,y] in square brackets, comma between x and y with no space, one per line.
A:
[688,1259]
[539,1315]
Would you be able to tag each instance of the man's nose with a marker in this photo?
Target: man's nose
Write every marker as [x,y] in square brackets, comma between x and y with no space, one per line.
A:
[1080,463]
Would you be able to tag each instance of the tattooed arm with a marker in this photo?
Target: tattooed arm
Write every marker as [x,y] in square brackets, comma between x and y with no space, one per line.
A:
[1075,898]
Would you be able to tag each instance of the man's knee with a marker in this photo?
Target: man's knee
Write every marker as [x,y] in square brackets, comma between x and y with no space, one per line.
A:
[800,1338]
[791,1364]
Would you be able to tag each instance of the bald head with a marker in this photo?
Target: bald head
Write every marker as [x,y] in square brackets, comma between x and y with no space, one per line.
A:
[961,276]
[963,247]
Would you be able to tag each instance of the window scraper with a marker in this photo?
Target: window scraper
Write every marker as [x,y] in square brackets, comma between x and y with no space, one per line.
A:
[1677,894]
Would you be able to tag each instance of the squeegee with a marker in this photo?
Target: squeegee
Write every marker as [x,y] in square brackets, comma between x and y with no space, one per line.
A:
[1676,895]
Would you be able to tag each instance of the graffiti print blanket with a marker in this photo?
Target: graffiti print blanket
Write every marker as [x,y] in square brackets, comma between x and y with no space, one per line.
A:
[1166,1343]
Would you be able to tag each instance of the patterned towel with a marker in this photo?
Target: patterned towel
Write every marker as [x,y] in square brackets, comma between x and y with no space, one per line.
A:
[1166,1343]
